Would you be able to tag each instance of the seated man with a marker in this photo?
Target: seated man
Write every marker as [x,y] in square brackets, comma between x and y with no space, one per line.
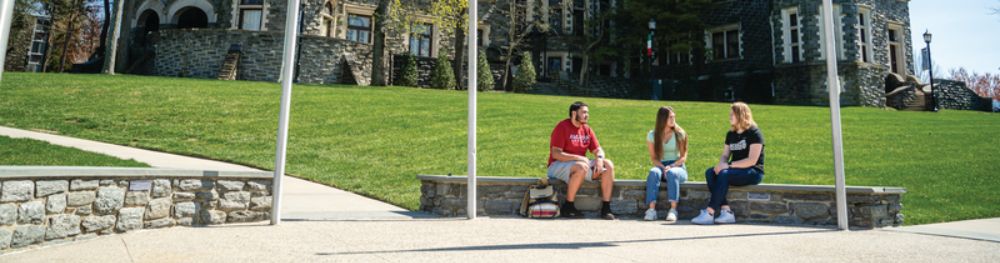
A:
[570,141]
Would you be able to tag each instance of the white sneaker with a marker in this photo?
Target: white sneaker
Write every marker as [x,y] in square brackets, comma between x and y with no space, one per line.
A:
[672,215]
[725,217]
[650,214]
[703,219]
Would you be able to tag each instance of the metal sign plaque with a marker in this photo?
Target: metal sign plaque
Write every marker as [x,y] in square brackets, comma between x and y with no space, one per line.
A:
[140,185]
[758,196]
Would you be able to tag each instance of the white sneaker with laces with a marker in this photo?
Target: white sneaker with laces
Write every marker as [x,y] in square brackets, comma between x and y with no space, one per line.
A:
[672,215]
[703,219]
[650,214]
[725,217]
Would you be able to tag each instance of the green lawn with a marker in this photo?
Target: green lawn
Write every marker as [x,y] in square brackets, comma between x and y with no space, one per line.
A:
[374,141]
[32,152]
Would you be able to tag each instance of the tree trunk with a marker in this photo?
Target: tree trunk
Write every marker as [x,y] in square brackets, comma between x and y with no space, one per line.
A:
[459,55]
[69,35]
[583,69]
[104,28]
[378,45]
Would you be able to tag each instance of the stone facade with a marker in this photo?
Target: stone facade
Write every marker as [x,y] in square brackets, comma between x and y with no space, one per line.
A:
[868,207]
[40,206]
[955,95]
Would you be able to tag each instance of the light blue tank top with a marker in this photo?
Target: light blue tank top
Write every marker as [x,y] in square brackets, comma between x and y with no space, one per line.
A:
[670,152]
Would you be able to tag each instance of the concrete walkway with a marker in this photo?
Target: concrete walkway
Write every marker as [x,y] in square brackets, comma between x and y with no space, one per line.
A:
[345,227]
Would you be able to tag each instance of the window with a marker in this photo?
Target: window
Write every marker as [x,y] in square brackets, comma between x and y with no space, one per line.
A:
[420,39]
[792,35]
[578,22]
[677,56]
[554,66]
[251,14]
[725,42]
[328,28]
[864,35]
[897,57]
[838,33]
[359,28]
[556,16]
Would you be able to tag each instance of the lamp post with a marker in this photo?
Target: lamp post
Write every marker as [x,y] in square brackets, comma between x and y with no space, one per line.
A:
[649,56]
[930,68]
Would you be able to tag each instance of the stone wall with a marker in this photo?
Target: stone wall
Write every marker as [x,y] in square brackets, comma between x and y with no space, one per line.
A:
[48,205]
[201,52]
[954,95]
[869,207]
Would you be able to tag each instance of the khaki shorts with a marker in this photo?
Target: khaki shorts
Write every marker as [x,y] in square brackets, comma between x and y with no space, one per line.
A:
[561,170]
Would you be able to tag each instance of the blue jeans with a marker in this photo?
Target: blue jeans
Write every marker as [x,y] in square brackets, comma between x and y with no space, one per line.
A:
[719,184]
[674,177]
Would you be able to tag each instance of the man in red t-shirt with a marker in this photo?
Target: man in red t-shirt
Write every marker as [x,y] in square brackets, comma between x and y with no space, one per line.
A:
[569,143]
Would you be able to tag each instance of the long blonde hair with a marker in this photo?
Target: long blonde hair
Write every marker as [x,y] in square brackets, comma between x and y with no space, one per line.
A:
[744,118]
[661,125]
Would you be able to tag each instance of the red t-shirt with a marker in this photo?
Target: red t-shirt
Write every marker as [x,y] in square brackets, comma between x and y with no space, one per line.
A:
[572,139]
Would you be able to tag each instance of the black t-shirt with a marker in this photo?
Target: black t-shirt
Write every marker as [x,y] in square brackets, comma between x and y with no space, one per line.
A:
[739,145]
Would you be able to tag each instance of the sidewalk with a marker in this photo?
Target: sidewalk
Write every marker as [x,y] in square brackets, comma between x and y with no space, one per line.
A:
[348,227]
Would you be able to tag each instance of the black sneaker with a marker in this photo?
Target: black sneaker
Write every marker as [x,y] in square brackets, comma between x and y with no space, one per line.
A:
[570,212]
[608,215]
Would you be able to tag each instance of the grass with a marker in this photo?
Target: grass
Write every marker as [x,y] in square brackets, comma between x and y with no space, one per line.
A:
[374,141]
[32,152]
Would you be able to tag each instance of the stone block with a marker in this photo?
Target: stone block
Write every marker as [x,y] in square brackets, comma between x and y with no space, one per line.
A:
[56,204]
[5,236]
[768,207]
[259,185]
[13,191]
[26,235]
[97,223]
[210,195]
[195,184]
[84,210]
[159,223]
[158,208]
[788,220]
[185,209]
[499,207]
[246,216]
[81,198]
[136,198]
[183,196]
[62,226]
[109,200]
[625,207]
[46,188]
[31,213]
[808,197]
[225,185]
[698,194]
[108,182]
[587,203]
[130,218]
[8,214]
[213,217]
[187,221]
[810,210]
[262,203]
[161,188]
[78,184]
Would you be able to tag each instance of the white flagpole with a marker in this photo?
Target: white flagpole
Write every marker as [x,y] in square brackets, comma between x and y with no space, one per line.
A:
[833,85]
[473,87]
[6,16]
[287,70]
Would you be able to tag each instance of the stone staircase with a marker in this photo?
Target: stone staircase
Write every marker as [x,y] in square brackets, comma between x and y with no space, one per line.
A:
[230,64]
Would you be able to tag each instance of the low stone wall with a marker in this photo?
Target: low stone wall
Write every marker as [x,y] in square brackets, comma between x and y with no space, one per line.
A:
[869,207]
[45,205]
[954,95]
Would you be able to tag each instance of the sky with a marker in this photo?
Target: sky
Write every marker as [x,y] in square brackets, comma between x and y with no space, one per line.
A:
[965,33]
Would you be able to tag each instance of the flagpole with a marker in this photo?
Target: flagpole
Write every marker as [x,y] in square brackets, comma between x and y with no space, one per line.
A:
[833,85]
[471,197]
[287,70]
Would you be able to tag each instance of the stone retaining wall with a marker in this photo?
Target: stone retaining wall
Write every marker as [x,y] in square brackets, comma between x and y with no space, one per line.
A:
[45,205]
[869,207]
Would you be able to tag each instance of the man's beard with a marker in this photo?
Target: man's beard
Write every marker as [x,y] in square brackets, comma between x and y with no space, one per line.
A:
[580,120]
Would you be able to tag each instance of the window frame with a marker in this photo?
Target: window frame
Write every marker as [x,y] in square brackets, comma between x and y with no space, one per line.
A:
[726,32]
[355,28]
[426,37]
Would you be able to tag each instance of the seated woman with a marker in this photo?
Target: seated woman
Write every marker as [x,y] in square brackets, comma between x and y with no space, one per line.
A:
[741,163]
[667,144]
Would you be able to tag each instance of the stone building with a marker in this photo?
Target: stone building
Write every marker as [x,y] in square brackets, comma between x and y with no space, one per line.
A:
[27,46]
[754,50]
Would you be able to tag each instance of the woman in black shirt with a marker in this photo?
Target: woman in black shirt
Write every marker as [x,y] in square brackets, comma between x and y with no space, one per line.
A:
[741,163]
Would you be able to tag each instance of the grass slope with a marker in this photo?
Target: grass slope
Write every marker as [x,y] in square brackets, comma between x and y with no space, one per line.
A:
[32,152]
[374,141]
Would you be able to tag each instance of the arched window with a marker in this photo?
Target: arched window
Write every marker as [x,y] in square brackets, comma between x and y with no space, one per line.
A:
[191,17]
[328,29]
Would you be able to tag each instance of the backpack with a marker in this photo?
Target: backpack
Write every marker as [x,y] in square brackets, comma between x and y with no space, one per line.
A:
[540,201]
